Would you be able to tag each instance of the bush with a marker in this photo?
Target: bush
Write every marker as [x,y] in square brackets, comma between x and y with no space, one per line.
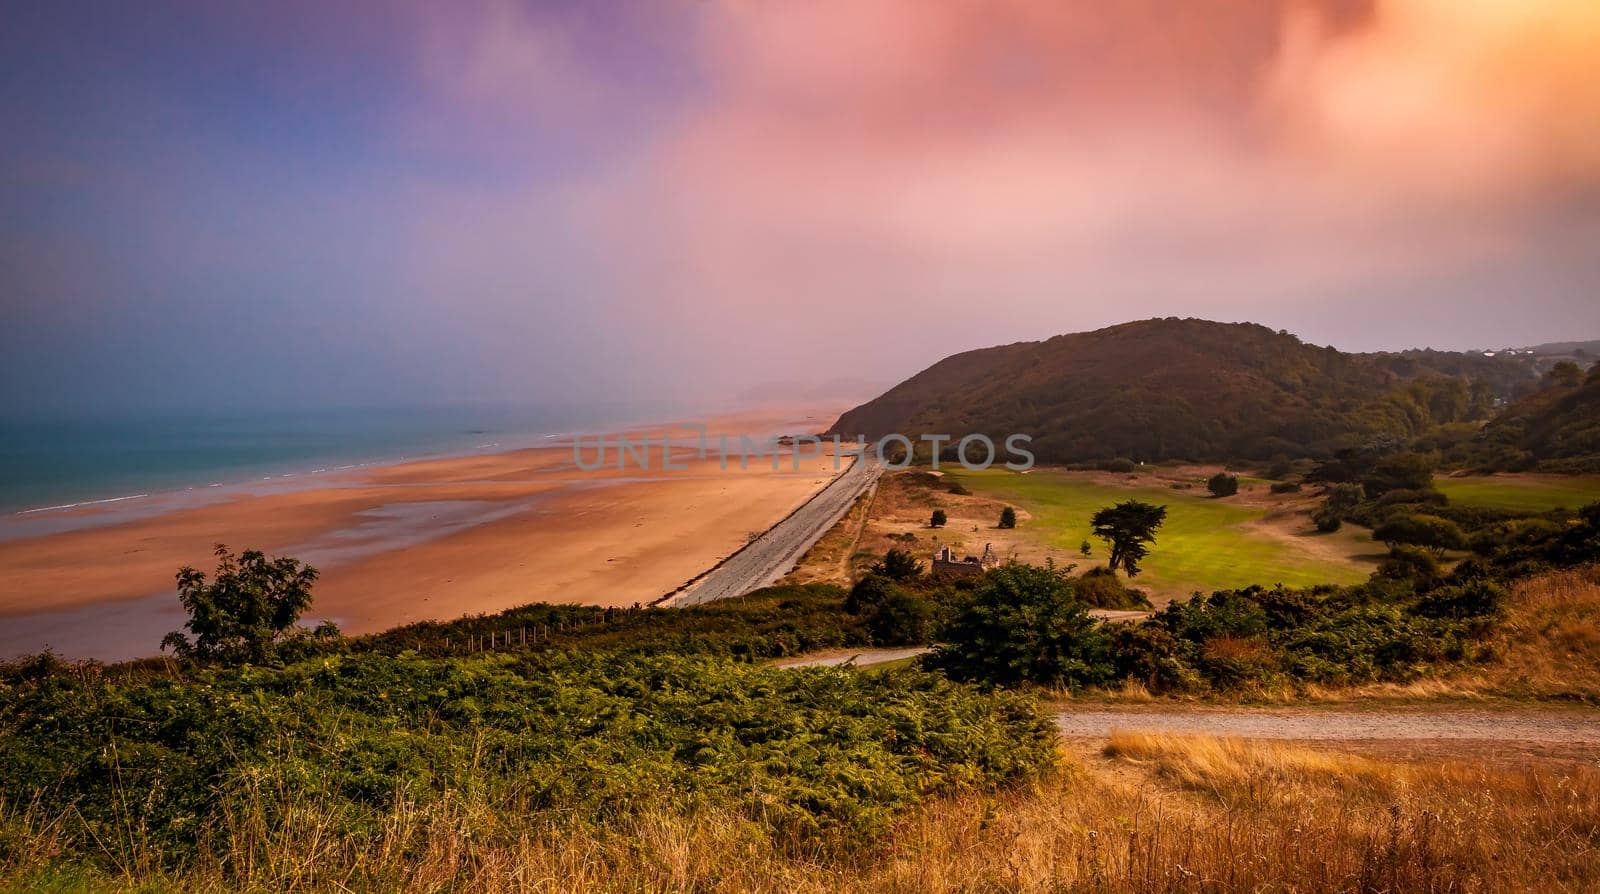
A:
[1409,563]
[869,592]
[901,618]
[1285,487]
[1326,520]
[1102,588]
[1342,498]
[959,489]
[1121,465]
[1427,531]
[1150,655]
[898,564]
[1008,518]
[1472,599]
[938,519]
[1022,624]
[1222,485]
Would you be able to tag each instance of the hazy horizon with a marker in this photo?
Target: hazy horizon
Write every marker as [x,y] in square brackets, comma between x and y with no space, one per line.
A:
[503,202]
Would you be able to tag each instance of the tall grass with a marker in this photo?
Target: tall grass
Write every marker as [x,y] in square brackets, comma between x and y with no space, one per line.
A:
[1155,813]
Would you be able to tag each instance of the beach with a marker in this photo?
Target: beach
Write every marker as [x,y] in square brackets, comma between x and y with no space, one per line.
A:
[434,539]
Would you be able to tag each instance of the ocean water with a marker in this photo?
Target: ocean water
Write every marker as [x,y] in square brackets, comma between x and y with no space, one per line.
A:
[57,461]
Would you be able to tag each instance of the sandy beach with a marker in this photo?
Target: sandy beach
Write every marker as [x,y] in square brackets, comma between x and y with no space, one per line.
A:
[434,539]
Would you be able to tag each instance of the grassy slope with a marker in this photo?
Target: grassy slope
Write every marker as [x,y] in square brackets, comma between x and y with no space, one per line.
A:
[1203,545]
[1137,814]
[1522,493]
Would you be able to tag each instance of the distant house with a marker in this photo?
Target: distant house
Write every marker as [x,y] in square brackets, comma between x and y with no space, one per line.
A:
[946,564]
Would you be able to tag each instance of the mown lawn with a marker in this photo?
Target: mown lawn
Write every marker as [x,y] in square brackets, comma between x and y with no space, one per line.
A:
[1522,493]
[1204,544]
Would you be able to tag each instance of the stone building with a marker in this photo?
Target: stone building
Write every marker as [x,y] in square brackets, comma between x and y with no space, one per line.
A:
[946,564]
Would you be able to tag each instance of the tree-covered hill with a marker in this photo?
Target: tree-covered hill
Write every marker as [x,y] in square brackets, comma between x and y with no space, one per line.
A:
[1556,429]
[1191,389]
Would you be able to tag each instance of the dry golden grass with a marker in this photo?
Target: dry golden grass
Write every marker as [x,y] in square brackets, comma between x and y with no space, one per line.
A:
[828,561]
[1551,646]
[1154,813]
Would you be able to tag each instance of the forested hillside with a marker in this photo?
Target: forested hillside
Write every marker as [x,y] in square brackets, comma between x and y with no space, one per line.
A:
[1169,389]
[1556,429]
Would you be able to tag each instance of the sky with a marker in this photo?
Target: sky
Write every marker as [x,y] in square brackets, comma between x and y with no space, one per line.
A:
[331,203]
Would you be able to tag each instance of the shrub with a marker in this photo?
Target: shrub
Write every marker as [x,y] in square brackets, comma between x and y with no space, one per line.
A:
[901,618]
[1022,624]
[1008,518]
[1409,563]
[1121,465]
[1150,655]
[898,564]
[1101,588]
[959,489]
[1520,532]
[1222,485]
[1342,498]
[868,593]
[938,519]
[1326,520]
[1233,662]
[1472,599]
[1285,487]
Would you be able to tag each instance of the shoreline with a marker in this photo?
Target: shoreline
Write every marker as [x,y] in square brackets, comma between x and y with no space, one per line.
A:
[427,539]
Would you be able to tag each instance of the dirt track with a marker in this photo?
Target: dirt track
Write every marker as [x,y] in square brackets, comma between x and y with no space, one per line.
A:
[1578,726]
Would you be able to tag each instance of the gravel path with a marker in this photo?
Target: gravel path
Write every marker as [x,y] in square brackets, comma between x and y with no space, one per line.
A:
[1523,725]
[859,658]
[770,556]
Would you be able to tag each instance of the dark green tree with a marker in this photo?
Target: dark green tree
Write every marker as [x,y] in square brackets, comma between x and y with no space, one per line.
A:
[1427,531]
[1129,528]
[1402,471]
[1022,624]
[1085,548]
[938,519]
[1565,373]
[897,564]
[245,611]
[1008,517]
[1223,485]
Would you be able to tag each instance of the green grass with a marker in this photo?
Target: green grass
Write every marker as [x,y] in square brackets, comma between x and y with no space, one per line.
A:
[1203,545]
[1522,493]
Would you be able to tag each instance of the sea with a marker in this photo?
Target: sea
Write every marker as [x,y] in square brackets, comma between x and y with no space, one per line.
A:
[49,463]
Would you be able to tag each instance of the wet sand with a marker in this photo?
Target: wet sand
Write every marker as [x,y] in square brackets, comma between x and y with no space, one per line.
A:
[424,540]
